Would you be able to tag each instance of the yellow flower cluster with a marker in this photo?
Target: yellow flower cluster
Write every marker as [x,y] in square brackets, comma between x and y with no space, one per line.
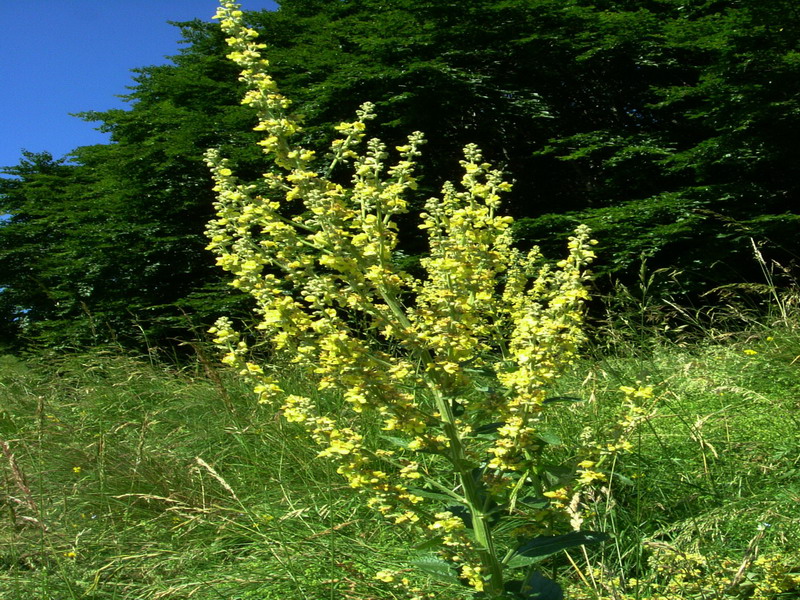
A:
[778,576]
[319,259]
[598,455]
[452,529]
[473,577]
[678,575]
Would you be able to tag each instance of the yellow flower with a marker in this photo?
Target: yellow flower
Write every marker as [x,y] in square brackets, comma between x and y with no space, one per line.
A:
[446,522]
[473,576]
[559,494]
[587,477]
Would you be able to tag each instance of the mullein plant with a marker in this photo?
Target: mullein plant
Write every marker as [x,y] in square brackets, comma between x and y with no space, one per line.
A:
[454,367]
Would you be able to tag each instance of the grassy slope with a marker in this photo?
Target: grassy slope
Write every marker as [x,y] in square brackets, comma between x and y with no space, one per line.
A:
[126,480]
[151,484]
[715,472]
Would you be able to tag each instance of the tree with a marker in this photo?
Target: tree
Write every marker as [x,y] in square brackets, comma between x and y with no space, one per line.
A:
[51,251]
[720,119]
[668,126]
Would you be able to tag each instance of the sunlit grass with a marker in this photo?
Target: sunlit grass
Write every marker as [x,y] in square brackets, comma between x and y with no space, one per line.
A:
[132,481]
[123,479]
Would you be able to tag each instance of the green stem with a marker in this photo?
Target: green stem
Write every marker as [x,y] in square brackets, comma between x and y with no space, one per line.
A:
[483,533]
[480,524]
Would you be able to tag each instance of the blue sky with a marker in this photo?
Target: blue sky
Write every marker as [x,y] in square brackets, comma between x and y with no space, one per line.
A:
[65,56]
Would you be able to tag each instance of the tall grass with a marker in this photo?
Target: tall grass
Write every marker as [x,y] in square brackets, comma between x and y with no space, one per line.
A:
[130,480]
[125,480]
[706,503]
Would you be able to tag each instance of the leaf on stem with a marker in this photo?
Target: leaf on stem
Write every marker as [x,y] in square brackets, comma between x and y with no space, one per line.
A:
[555,399]
[436,568]
[535,587]
[538,548]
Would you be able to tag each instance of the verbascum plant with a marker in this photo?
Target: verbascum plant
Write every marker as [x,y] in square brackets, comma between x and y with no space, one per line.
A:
[455,366]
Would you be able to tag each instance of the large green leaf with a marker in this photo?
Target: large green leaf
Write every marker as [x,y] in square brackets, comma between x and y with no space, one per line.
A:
[541,547]
[549,437]
[435,567]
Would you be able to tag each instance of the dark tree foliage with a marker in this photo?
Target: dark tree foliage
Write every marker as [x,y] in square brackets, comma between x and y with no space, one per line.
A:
[44,203]
[720,120]
[669,126]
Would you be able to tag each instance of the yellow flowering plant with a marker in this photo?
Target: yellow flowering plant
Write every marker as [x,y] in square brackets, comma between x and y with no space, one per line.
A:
[455,366]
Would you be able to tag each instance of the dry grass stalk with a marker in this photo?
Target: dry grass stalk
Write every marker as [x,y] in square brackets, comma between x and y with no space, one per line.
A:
[26,500]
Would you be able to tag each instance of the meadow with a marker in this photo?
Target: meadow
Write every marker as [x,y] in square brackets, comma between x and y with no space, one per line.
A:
[132,478]
[468,423]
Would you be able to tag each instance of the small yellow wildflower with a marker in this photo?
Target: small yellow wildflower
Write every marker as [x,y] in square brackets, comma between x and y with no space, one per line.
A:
[385,576]
[588,477]
[473,576]
[446,522]
[559,494]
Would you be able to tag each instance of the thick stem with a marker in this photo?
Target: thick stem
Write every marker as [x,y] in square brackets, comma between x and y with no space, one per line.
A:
[490,563]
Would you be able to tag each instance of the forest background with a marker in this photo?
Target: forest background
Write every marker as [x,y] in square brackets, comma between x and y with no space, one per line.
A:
[668,126]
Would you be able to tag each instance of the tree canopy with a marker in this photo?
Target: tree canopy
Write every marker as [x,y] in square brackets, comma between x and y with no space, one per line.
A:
[668,126]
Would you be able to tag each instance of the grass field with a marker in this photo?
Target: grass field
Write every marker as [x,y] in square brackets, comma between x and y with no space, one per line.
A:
[128,479]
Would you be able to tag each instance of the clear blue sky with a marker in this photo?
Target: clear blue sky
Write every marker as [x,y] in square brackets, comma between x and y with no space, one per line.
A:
[65,56]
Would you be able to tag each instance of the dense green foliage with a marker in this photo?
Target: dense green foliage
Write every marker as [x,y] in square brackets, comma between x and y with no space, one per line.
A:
[668,126]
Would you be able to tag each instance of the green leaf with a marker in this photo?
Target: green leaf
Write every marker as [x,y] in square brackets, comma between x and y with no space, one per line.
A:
[556,475]
[549,437]
[432,495]
[488,428]
[536,587]
[546,545]
[436,568]
[429,544]
[518,562]
[534,502]
[396,441]
[624,480]
[555,399]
